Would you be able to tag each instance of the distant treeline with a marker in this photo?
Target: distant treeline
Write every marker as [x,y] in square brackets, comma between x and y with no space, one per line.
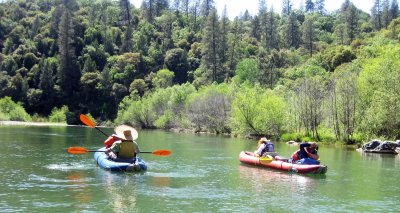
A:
[298,74]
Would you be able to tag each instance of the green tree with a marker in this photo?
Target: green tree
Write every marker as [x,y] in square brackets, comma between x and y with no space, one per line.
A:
[292,31]
[308,35]
[310,7]
[344,98]
[176,61]
[69,73]
[255,111]
[247,70]
[164,78]
[210,51]
[286,7]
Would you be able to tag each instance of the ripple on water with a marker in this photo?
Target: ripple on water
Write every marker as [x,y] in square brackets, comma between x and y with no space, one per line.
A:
[70,166]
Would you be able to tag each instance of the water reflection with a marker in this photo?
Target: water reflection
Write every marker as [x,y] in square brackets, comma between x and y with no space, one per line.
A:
[121,190]
[160,181]
[276,182]
[79,187]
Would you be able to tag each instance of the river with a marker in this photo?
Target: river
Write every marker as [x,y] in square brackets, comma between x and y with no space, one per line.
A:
[203,174]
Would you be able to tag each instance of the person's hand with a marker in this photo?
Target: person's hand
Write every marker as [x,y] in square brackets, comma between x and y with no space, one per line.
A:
[112,155]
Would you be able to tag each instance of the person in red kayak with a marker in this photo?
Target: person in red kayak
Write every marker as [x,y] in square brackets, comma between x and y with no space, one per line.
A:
[307,154]
[265,147]
[122,144]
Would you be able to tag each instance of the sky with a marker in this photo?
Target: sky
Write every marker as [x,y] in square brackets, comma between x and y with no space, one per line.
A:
[236,7]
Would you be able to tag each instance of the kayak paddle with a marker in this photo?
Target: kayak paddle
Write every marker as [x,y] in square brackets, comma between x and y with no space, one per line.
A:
[81,150]
[88,122]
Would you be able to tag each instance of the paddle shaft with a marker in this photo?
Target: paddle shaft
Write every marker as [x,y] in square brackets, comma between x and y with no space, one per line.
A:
[105,151]
[101,131]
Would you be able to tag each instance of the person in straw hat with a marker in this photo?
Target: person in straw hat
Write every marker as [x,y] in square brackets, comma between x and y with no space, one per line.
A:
[265,147]
[123,144]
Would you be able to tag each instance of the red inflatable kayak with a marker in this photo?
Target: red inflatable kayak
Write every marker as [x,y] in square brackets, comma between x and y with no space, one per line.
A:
[251,159]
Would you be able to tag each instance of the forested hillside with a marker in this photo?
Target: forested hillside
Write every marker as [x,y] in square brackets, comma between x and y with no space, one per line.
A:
[292,74]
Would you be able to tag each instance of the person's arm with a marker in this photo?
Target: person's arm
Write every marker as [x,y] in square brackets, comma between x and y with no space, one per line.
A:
[311,155]
[304,145]
[260,149]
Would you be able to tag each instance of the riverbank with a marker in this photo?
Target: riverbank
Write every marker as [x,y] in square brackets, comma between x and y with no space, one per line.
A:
[24,123]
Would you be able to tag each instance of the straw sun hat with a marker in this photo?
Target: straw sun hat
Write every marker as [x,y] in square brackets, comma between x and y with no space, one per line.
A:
[126,132]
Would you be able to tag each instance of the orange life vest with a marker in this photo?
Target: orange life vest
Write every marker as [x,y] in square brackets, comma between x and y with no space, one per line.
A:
[295,156]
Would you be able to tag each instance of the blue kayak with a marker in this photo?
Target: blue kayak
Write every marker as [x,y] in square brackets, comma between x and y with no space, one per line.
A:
[119,164]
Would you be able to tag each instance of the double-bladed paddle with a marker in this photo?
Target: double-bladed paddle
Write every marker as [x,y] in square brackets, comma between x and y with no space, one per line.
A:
[81,150]
[88,122]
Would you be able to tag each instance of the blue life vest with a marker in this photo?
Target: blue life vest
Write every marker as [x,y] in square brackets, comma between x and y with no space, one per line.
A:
[269,147]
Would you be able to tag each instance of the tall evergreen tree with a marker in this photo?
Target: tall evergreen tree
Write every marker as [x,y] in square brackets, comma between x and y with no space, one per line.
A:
[69,73]
[127,45]
[292,31]
[308,35]
[236,32]
[286,7]
[320,6]
[272,30]
[260,31]
[351,23]
[385,13]
[255,30]
[224,37]
[161,6]
[185,7]
[394,10]
[195,11]
[210,52]
[206,7]
[376,14]
[309,6]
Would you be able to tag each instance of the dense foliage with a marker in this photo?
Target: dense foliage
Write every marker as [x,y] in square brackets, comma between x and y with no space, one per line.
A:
[178,64]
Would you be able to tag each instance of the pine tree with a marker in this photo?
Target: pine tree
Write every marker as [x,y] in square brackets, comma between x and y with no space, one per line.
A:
[376,14]
[237,30]
[206,7]
[69,73]
[272,30]
[309,6]
[210,52]
[224,36]
[126,16]
[308,35]
[385,13]
[320,6]
[286,7]
[292,32]
[260,23]
[394,10]
[351,23]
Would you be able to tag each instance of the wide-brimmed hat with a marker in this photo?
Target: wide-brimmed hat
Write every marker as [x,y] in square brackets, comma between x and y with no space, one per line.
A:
[126,132]
[265,139]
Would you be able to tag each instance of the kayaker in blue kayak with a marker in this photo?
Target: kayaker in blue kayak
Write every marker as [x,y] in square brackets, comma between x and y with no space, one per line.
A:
[307,154]
[122,145]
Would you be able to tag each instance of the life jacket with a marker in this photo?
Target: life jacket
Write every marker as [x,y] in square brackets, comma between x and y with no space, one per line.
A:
[295,156]
[269,147]
[109,141]
[127,149]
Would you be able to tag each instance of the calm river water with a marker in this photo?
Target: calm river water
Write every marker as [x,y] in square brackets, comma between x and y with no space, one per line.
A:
[203,174]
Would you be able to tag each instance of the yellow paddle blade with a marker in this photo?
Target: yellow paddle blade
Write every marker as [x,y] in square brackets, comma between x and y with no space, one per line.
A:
[77,150]
[266,159]
[87,121]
